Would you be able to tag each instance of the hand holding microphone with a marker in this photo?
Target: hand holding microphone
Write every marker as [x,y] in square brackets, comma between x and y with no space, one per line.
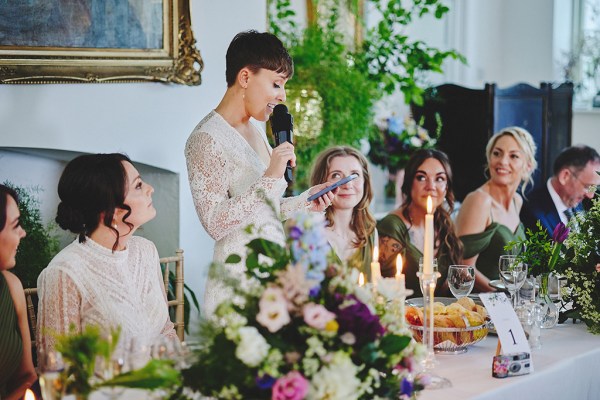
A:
[282,125]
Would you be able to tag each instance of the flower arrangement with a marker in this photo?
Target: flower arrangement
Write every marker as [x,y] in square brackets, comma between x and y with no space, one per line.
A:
[398,139]
[539,252]
[583,278]
[299,327]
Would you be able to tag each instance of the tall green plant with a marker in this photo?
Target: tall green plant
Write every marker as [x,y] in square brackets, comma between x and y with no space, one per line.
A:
[40,245]
[350,81]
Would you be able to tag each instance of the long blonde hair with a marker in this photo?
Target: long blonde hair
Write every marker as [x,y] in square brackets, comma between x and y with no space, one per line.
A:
[527,145]
[363,223]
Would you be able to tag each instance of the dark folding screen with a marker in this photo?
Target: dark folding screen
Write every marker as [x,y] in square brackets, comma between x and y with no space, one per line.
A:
[471,116]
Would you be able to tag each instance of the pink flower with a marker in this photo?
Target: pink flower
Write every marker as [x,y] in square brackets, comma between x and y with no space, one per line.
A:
[293,386]
[317,316]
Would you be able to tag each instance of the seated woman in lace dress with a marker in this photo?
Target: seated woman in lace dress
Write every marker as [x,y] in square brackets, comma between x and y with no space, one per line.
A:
[350,225]
[489,217]
[236,178]
[106,277]
[16,366]
[402,231]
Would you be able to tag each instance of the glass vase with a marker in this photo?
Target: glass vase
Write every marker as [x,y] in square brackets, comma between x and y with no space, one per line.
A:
[550,310]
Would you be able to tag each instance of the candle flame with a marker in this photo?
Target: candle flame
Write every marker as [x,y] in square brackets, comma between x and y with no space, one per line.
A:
[376,254]
[429,205]
[29,395]
[398,265]
[361,279]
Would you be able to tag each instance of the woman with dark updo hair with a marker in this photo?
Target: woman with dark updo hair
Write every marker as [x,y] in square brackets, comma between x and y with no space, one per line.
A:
[402,231]
[106,277]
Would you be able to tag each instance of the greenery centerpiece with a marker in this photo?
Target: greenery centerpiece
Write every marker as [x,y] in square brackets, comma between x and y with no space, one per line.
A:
[347,76]
[300,327]
[83,350]
[581,271]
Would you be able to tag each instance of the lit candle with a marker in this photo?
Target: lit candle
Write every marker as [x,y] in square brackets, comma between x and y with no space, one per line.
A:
[29,395]
[375,268]
[399,275]
[428,245]
[361,279]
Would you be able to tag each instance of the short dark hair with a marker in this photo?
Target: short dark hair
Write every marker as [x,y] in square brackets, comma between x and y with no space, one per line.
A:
[575,156]
[90,185]
[256,50]
[6,191]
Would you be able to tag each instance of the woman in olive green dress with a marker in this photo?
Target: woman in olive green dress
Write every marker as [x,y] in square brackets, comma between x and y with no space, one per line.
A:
[16,366]
[489,216]
[350,225]
[427,173]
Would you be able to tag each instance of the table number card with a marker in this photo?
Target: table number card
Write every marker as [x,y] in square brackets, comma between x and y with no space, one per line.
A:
[509,329]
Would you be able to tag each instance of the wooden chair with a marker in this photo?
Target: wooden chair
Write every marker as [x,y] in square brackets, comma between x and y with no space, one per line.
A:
[30,295]
[174,290]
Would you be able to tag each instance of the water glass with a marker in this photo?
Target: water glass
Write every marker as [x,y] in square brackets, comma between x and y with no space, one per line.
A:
[461,279]
[513,274]
[51,366]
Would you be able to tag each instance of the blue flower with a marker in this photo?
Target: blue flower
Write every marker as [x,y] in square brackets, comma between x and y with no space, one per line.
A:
[406,387]
[265,381]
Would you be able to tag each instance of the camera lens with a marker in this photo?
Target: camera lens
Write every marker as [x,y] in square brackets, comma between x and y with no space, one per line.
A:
[514,367]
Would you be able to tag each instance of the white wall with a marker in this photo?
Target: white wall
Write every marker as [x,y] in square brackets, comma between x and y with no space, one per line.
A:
[148,121]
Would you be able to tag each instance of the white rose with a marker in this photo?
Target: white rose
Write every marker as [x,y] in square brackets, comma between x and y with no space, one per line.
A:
[252,348]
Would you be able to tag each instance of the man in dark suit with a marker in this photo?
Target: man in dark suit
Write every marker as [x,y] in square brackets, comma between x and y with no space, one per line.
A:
[574,179]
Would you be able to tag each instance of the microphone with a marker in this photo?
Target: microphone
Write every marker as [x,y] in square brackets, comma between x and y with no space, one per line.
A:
[282,125]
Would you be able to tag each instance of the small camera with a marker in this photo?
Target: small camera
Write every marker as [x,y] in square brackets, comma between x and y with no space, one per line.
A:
[511,365]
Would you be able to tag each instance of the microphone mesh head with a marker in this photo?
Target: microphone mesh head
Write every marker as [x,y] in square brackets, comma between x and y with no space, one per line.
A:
[280,119]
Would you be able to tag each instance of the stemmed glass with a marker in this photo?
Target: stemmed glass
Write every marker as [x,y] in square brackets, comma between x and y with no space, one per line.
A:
[513,274]
[51,366]
[461,279]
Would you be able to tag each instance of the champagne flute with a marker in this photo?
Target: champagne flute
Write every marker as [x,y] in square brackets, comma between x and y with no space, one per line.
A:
[513,274]
[461,279]
[51,367]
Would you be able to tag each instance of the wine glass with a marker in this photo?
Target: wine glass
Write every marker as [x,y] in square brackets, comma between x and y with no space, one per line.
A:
[513,274]
[461,279]
[51,366]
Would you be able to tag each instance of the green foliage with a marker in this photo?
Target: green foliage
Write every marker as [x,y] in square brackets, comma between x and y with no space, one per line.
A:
[583,280]
[80,351]
[40,245]
[537,252]
[350,81]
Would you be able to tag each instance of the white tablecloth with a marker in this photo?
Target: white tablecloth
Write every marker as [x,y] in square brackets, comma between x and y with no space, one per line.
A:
[566,367]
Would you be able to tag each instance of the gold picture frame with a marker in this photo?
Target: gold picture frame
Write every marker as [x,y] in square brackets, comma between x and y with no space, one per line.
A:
[137,41]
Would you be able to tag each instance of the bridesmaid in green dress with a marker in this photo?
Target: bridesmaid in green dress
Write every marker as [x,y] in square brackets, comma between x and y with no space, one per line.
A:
[350,225]
[489,216]
[16,366]
[402,231]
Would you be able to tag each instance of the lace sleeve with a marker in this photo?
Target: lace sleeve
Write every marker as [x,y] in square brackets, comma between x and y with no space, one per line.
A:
[291,205]
[59,307]
[208,175]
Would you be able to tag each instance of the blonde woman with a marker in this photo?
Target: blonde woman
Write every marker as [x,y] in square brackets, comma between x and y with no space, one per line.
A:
[489,216]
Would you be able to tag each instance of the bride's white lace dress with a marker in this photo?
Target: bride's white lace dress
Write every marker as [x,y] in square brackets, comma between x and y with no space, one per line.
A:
[231,193]
[88,284]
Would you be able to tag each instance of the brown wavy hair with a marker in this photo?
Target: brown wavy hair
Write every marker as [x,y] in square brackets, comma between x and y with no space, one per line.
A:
[363,223]
[444,226]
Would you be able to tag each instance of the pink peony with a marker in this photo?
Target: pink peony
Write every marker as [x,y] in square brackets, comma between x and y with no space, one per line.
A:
[293,386]
[317,316]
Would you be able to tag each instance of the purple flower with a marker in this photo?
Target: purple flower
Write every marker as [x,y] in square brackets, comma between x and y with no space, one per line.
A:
[406,387]
[295,232]
[355,317]
[561,232]
[293,386]
[265,381]
[314,292]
